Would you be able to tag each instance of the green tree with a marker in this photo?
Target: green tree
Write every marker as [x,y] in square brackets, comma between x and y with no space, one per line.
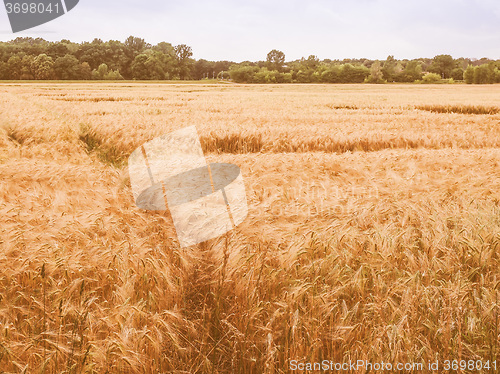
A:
[43,67]
[100,72]
[56,50]
[261,76]
[312,62]
[183,55]
[353,74]
[139,68]
[116,57]
[275,60]
[4,71]
[457,74]
[150,65]
[222,66]
[376,74]
[165,48]
[389,69]
[443,65]
[167,58]
[14,66]
[136,45]
[203,69]
[484,74]
[497,75]
[304,76]
[469,74]
[85,71]
[27,67]
[287,78]
[412,71]
[331,74]
[67,68]
[243,73]
[264,75]
[91,53]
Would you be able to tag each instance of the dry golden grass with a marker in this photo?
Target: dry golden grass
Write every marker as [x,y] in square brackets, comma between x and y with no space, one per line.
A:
[373,230]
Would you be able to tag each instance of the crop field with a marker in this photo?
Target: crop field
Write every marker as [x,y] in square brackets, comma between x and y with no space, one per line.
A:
[373,230]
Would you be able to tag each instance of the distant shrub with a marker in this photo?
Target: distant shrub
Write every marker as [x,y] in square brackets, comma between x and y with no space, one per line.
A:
[431,78]
[243,74]
[113,75]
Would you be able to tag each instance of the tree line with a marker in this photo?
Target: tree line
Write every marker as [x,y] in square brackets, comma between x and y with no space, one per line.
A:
[441,68]
[37,59]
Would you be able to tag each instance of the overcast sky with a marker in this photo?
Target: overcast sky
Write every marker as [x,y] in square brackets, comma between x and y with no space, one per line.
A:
[247,30]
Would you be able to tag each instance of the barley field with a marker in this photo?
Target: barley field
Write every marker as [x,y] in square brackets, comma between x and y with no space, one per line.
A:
[373,230]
